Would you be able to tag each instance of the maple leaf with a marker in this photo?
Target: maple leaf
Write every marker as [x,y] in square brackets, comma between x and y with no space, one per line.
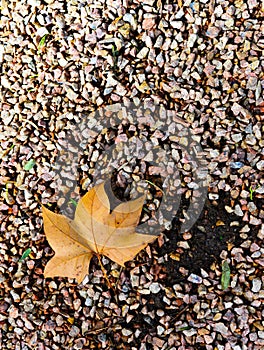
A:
[94,230]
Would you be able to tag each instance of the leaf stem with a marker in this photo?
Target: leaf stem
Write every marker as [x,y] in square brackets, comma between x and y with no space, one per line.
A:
[103,270]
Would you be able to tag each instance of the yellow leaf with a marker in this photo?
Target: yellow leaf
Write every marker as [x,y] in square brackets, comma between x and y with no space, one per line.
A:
[94,230]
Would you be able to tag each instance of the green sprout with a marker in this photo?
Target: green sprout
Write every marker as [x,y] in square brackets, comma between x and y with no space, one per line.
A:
[42,43]
[115,56]
[114,51]
[185,328]
[251,192]
[29,165]
[225,278]
[72,201]
[25,254]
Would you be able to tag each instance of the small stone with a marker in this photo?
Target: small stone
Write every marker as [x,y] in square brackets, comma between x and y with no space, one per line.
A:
[229,209]
[212,32]
[236,108]
[128,17]
[158,343]
[256,285]
[236,165]
[160,330]
[221,328]
[154,288]
[143,52]
[219,223]
[204,273]
[234,193]
[148,23]
[95,156]
[183,244]
[18,331]
[261,334]
[217,316]
[59,320]
[15,296]
[195,278]
[244,194]
[254,221]
[110,82]
[189,332]
[254,247]
[260,165]
[13,312]
[71,94]
[74,331]
[236,137]
[252,83]
[238,210]
[41,32]
[245,229]
[88,301]
[213,196]
[126,332]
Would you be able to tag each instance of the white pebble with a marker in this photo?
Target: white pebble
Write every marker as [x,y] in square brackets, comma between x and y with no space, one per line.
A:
[189,332]
[221,328]
[238,210]
[154,288]
[256,285]
[195,278]
[160,330]
[126,332]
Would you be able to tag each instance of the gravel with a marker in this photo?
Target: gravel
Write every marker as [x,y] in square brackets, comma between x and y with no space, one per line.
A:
[204,61]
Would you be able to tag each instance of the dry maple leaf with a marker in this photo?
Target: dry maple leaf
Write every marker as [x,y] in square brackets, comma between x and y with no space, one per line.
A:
[94,230]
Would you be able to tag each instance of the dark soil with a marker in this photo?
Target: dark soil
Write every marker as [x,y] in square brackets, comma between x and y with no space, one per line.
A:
[205,246]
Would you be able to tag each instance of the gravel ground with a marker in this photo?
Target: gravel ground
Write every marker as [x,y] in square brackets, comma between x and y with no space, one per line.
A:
[202,59]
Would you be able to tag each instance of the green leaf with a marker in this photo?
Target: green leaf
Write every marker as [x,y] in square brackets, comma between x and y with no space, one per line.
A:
[25,254]
[29,165]
[114,51]
[42,41]
[225,278]
[72,201]
[183,328]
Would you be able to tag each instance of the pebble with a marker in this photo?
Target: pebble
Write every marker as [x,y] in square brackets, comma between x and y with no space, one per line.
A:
[126,332]
[154,288]
[221,328]
[74,331]
[189,332]
[236,165]
[194,278]
[213,196]
[187,57]
[71,94]
[256,285]
[260,165]
[143,52]
[15,296]
[238,211]
[254,221]
[160,330]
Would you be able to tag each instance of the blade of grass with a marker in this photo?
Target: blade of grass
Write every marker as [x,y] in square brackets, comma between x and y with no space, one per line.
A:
[42,42]
[157,187]
[225,278]
[25,254]
[72,201]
